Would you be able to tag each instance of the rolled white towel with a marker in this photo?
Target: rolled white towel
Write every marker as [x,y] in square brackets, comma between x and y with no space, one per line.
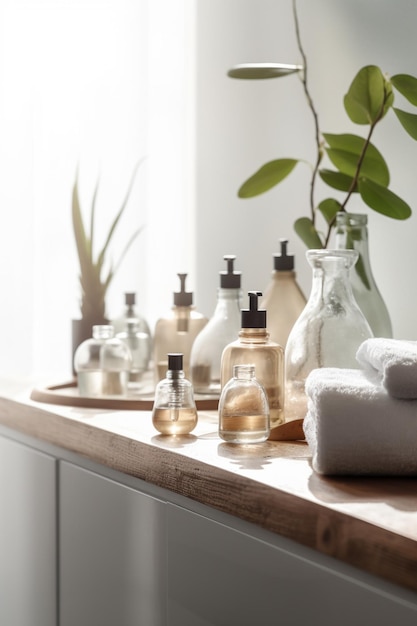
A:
[393,363]
[354,427]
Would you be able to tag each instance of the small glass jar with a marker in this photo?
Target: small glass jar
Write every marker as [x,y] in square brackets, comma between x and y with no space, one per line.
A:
[174,411]
[102,364]
[243,408]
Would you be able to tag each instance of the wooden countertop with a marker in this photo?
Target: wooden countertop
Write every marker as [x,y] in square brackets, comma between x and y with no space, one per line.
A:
[370,523]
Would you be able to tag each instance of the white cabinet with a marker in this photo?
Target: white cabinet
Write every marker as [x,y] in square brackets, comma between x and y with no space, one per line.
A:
[220,576]
[81,545]
[27,536]
[112,552]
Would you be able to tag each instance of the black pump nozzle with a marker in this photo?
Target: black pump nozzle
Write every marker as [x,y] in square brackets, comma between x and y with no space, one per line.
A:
[283,262]
[230,279]
[175,361]
[253,317]
[182,297]
[130,298]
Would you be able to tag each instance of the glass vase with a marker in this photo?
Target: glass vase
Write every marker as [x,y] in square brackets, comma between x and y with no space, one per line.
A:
[328,331]
[352,233]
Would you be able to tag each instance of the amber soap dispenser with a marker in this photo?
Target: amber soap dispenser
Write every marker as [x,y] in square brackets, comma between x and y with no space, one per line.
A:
[254,347]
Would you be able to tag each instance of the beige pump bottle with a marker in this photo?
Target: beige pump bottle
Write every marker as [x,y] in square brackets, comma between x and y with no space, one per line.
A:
[283,298]
[176,331]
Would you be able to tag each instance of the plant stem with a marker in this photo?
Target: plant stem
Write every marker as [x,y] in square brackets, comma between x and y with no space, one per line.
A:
[313,111]
[357,171]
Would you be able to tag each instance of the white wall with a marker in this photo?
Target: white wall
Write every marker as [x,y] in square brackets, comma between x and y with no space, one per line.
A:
[243,124]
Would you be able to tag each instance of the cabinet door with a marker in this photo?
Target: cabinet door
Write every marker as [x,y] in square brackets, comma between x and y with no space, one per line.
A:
[219,576]
[112,553]
[27,536]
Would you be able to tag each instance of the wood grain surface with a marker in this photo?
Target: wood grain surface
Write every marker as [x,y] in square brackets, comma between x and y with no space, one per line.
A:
[368,523]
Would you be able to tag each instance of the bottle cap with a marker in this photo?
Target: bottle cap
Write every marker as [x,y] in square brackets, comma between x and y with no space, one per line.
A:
[252,317]
[283,261]
[230,279]
[182,297]
[175,361]
[130,298]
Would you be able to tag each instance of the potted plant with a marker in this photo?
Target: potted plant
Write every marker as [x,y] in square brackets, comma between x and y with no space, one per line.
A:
[355,166]
[96,271]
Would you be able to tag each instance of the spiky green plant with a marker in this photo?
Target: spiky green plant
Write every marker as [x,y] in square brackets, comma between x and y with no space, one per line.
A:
[96,273]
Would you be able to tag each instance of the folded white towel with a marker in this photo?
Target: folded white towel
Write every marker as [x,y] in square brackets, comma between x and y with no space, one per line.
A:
[392,362]
[355,427]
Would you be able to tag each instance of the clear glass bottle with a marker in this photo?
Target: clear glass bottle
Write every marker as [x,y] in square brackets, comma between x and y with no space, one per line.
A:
[352,233]
[253,347]
[329,330]
[102,364]
[138,344]
[130,312]
[174,411]
[243,408]
[283,299]
[177,331]
[220,330]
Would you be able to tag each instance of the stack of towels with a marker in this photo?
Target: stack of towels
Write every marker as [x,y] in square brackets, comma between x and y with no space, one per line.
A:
[364,421]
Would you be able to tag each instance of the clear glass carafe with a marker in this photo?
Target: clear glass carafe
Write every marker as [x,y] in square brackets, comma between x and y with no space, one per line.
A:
[243,408]
[352,233]
[102,364]
[174,411]
[329,330]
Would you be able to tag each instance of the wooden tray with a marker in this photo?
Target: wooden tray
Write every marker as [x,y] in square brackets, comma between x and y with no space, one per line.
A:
[67,394]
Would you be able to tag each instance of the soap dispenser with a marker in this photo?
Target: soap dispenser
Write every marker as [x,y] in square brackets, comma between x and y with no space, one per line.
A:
[220,330]
[130,312]
[177,331]
[174,411]
[254,347]
[283,298]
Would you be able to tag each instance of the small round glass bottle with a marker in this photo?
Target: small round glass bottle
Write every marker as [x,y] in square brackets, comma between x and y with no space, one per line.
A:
[253,347]
[243,408]
[330,329]
[220,330]
[102,364]
[174,411]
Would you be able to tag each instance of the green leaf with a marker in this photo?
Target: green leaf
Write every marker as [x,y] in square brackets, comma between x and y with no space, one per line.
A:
[305,229]
[329,208]
[408,122]
[262,70]
[267,177]
[337,180]
[383,200]
[365,99]
[407,86]
[345,150]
